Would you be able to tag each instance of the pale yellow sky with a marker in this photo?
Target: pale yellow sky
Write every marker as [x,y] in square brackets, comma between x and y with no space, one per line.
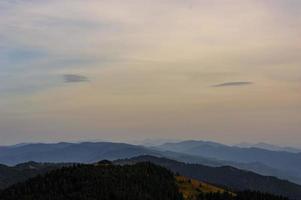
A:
[224,70]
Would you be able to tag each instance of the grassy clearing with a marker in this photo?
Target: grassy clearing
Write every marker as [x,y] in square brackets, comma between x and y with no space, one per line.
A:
[191,188]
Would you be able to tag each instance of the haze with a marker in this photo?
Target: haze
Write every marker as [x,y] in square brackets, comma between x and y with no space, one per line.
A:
[223,70]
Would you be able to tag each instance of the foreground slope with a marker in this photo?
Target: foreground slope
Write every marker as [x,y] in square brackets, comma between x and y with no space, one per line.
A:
[143,181]
[229,177]
[11,175]
[225,176]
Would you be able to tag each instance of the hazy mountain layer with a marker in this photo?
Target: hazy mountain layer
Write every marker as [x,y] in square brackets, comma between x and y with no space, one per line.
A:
[89,152]
[285,164]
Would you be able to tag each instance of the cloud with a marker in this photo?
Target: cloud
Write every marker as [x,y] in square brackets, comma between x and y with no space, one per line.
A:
[233,84]
[74,78]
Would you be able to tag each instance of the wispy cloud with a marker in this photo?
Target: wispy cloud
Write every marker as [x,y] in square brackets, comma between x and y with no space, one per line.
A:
[74,78]
[233,84]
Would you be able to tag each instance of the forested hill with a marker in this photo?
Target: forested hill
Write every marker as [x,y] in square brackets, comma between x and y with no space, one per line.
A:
[11,175]
[235,179]
[143,181]
[105,181]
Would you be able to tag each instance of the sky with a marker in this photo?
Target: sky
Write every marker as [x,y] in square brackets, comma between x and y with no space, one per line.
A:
[124,70]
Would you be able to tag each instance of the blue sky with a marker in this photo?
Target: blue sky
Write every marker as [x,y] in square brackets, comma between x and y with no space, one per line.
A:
[118,70]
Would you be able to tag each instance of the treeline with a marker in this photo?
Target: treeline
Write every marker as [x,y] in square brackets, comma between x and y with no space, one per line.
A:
[245,195]
[143,181]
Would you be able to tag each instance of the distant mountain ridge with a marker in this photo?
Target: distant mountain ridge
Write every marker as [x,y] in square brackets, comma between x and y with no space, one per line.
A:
[267,146]
[287,162]
[86,152]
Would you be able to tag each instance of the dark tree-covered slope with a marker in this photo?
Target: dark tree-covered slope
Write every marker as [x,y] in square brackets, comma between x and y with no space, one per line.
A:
[11,175]
[229,177]
[103,181]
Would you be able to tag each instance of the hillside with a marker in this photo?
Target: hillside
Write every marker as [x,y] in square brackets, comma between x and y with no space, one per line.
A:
[228,177]
[105,181]
[11,175]
[191,188]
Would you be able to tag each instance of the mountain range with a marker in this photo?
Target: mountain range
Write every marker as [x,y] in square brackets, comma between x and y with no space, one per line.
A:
[277,163]
[86,152]
[281,164]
